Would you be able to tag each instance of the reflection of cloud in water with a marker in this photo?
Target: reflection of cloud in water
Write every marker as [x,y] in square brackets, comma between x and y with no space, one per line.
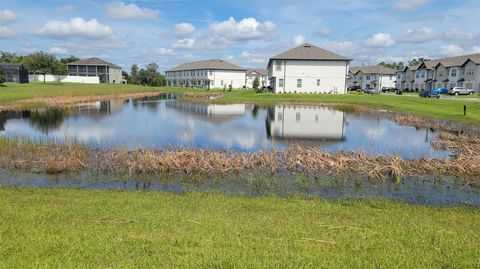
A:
[244,139]
[187,131]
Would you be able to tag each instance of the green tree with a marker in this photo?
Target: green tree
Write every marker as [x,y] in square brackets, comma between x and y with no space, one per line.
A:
[133,78]
[7,57]
[40,62]
[150,76]
[256,83]
[70,59]
[59,69]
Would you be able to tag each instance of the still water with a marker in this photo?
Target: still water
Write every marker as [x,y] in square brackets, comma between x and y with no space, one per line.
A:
[164,122]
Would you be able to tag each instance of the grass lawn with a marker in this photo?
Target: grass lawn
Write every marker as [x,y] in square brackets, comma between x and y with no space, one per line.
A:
[86,228]
[440,109]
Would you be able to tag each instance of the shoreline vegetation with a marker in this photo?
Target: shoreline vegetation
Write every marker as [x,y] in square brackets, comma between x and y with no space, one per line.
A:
[38,95]
[104,228]
[70,157]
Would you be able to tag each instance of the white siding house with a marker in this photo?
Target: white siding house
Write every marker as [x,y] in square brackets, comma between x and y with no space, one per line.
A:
[371,77]
[252,74]
[308,69]
[209,74]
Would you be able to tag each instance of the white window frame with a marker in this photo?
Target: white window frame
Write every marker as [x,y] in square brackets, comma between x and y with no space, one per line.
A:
[278,65]
[281,82]
[299,82]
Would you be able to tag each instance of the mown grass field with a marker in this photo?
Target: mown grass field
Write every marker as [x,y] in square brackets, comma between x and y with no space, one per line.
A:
[431,108]
[44,228]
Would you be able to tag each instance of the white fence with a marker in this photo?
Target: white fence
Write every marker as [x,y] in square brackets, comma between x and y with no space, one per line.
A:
[55,78]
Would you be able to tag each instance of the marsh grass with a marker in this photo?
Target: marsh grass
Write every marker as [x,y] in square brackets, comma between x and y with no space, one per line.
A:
[195,164]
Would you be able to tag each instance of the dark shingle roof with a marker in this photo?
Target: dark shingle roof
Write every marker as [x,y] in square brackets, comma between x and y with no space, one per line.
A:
[309,52]
[373,70]
[94,61]
[262,72]
[207,64]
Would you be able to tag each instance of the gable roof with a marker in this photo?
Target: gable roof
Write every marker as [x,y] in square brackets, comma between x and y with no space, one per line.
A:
[260,71]
[207,64]
[309,52]
[93,61]
[378,69]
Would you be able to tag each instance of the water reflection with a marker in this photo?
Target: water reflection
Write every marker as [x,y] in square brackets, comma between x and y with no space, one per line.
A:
[305,122]
[164,121]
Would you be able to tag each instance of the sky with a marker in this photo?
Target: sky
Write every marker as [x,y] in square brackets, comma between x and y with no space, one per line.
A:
[244,32]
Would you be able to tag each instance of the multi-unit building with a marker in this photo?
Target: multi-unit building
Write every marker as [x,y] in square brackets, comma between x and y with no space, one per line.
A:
[308,69]
[371,77]
[208,74]
[459,71]
[95,67]
[254,73]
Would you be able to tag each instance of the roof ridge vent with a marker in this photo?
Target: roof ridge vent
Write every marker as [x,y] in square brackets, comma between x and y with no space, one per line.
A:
[307,46]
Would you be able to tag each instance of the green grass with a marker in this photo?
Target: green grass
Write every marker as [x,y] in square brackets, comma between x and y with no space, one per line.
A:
[432,108]
[45,228]
[11,92]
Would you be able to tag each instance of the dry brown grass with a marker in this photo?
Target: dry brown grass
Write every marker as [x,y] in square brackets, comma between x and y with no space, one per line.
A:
[66,101]
[73,158]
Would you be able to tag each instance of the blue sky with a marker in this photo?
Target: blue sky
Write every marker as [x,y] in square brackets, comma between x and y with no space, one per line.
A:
[245,32]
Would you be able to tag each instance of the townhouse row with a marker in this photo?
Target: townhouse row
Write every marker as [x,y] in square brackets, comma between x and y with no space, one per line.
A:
[371,77]
[214,74]
[447,73]
[306,68]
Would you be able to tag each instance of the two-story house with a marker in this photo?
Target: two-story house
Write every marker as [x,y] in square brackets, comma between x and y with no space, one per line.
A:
[308,69]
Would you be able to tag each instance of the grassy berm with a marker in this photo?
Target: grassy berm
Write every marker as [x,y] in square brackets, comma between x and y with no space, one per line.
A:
[50,228]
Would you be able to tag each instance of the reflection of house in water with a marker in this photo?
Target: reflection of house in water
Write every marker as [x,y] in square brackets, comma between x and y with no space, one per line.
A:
[305,122]
[99,109]
[209,110]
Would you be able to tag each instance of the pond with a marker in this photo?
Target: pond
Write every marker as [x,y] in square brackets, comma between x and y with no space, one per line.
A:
[165,122]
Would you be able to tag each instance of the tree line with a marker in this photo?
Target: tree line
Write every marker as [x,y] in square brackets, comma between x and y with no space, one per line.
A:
[401,65]
[45,63]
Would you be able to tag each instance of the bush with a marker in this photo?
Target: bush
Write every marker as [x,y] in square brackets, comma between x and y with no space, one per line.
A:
[2,77]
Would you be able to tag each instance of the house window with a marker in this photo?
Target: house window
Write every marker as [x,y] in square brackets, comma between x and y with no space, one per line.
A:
[399,76]
[368,77]
[278,65]
[280,82]
[417,74]
[221,82]
[211,72]
[280,116]
[318,82]
[391,77]
[470,72]
[297,116]
[423,74]
[440,74]
[453,72]
[299,83]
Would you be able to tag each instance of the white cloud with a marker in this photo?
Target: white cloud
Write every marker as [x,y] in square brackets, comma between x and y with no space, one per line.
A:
[323,31]
[7,16]
[58,50]
[5,32]
[409,5]
[184,29]
[66,8]
[164,52]
[342,47]
[380,40]
[476,49]
[244,30]
[76,27]
[119,10]
[451,50]
[184,43]
[427,34]
[298,40]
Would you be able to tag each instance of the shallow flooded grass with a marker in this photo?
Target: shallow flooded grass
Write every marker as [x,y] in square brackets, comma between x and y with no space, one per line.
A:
[111,229]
